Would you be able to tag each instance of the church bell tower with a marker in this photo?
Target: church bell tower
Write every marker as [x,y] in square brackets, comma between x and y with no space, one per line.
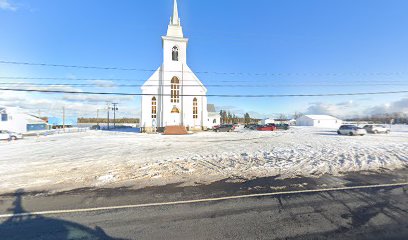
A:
[174,43]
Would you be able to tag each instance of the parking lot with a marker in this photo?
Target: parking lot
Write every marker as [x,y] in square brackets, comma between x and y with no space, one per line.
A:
[103,159]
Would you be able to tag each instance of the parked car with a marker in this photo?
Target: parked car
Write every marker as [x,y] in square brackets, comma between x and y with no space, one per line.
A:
[215,127]
[96,127]
[225,128]
[376,129]
[267,128]
[4,135]
[282,126]
[351,130]
[252,126]
[15,136]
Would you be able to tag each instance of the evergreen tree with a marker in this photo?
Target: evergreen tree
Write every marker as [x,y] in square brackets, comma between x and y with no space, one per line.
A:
[247,118]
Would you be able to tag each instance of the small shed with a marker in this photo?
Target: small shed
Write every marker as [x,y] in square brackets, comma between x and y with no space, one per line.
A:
[267,121]
[323,121]
[214,117]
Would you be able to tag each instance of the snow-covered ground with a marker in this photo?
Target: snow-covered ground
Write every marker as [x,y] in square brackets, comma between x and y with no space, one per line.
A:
[107,159]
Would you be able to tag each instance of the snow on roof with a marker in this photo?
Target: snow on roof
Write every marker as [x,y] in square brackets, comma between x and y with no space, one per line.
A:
[211,108]
[10,110]
[16,110]
[321,117]
[34,119]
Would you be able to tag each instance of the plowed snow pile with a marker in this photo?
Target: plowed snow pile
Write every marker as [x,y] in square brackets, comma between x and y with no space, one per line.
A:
[106,159]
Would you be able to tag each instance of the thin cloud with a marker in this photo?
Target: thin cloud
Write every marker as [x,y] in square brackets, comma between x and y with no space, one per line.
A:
[342,109]
[400,106]
[103,83]
[6,5]
[75,105]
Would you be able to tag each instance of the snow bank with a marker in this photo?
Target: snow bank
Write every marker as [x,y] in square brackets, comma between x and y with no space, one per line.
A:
[96,159]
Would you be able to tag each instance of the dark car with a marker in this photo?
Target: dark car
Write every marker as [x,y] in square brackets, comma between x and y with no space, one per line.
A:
[96,127]
[225,128]
[282,126]
[252,126]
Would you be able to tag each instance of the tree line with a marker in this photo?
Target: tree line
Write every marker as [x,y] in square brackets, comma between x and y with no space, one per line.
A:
[228,117]
[385,118]
[104,120]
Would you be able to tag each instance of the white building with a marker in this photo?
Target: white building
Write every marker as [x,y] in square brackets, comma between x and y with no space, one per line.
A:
[323,121]
[214,117]
[15,120]
[173,95]
[267,121]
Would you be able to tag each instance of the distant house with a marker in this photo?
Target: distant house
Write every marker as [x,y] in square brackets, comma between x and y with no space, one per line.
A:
[292,122]
[214,117]
[323,121]
[267,121]
[15,120]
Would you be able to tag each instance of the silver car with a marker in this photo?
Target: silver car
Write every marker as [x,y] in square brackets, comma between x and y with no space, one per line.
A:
[351,130]
[14,135]
[376,129]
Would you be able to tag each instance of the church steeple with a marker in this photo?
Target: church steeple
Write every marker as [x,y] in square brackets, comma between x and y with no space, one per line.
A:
[175,20]
[175,29]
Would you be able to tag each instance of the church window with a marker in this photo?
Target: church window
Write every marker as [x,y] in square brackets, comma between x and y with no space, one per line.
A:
[4,117]
[175,90]
[195,108]
[175,54]
[154,108]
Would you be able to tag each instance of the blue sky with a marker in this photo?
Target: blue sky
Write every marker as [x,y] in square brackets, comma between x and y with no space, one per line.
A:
[300,45]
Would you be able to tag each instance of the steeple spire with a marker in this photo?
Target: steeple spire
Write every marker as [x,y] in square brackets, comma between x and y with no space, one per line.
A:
[175,20]
[175,29]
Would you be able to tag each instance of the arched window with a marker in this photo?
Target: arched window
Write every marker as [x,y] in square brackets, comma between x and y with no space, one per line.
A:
[195,108]
[175,54]
[175,90]
[154,108]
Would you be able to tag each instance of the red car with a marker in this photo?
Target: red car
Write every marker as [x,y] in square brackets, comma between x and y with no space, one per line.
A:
[267,128]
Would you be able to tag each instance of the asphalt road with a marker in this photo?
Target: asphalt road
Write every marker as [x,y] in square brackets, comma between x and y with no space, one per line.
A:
[379,213]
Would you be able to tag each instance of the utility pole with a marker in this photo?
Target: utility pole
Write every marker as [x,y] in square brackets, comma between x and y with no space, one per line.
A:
[63,118]
[97,117]
[108,108]
[114,114]
[182,94]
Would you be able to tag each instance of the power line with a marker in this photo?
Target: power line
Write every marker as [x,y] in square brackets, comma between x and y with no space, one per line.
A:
[186,80]
[107,85]
[202,72]
[210,95]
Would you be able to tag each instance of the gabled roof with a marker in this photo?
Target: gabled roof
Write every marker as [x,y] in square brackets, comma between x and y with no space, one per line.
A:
[33,119]
[211,108]
[321,117]
[16,110]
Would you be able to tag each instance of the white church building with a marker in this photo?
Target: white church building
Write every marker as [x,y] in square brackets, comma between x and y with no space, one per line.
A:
[173,95]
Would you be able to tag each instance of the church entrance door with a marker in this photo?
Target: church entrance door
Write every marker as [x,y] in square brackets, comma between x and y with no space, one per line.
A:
[175,117]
